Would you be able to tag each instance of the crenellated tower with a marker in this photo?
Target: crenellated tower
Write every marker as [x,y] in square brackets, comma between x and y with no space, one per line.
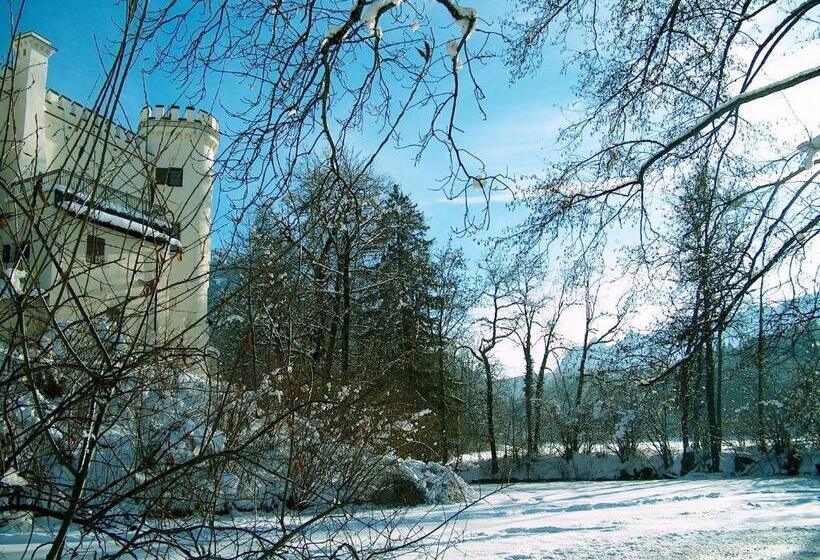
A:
[180,146]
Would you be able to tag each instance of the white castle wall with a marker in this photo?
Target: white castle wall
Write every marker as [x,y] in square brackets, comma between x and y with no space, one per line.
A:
[71,129]
[50,132]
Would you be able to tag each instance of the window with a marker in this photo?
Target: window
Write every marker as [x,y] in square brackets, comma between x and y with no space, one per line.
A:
[176,231]
[162,175]
[174,176]
[95,249]
[171,176]
[6,253]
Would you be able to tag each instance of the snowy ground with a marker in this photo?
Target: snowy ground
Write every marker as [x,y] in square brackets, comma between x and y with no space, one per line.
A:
[742,518]
[692,519]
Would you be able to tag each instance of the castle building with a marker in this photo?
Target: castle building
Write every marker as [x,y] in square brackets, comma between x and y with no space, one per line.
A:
[101,227]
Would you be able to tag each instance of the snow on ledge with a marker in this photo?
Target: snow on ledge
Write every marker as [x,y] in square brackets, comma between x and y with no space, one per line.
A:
[111,215]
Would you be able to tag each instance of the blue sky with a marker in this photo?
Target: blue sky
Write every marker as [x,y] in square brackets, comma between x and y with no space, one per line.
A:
[517,136]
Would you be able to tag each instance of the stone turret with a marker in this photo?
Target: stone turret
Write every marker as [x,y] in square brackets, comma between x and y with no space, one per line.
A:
[181,145]
[31,54]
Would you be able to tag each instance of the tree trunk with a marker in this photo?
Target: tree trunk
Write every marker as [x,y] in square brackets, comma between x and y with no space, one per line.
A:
[330,347]
[321,281]
[719,376]
[697,404]
[538,406]
[488,375]
[579,392]
[683,403]
[539,387]
[86,456]
[442,401]
[759,365]
[711,409]
[346,281]
[684,396]
[528,391]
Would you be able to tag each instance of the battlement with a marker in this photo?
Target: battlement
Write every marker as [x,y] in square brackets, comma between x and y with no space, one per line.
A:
[75,114]
[188,115]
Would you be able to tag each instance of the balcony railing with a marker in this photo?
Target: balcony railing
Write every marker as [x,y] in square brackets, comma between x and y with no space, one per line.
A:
[99,193]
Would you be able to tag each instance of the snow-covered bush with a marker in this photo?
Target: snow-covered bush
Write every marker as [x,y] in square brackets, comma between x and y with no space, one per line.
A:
[626,437]
[412,482]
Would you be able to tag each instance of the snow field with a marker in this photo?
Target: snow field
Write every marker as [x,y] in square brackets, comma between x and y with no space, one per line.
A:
[693,518]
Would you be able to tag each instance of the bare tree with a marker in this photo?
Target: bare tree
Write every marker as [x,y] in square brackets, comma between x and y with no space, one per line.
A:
[600,328]
[553,343]
[492,329]
[656,107]
[319,73]
[661,106]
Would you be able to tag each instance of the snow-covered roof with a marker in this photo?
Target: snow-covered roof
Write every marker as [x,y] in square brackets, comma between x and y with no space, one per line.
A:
[115,216]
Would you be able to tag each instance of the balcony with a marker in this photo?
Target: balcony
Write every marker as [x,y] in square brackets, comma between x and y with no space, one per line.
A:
[99,194]
[89,199]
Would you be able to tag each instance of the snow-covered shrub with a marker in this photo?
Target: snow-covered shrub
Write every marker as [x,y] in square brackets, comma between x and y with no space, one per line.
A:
[810,463]
[626,437]
[596,466]
[412,482]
